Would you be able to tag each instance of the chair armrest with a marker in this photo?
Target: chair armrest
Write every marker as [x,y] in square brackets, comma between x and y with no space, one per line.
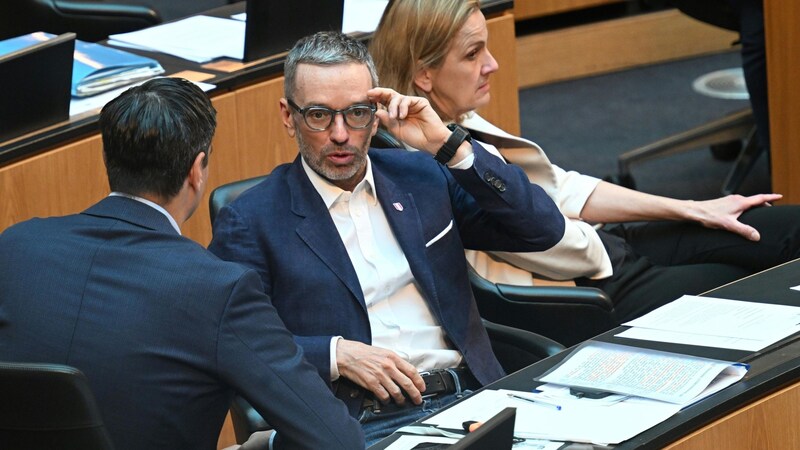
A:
[533,343]
[516,348]
[568,315]
[586,297]
[246,420]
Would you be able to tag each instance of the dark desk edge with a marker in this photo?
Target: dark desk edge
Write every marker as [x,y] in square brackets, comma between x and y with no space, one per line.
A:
[83,126]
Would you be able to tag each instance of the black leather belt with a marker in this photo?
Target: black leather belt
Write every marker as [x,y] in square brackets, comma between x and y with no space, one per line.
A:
[437,382]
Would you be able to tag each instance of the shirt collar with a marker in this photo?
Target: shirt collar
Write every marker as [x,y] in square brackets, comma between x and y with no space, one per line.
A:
[330,193]
[147,202]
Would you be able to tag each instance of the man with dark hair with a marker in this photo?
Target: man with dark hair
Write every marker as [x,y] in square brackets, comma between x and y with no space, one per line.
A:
[363,249]
[164,331]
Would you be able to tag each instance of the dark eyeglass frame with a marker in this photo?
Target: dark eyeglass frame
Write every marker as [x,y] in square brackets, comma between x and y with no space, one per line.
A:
[333,112]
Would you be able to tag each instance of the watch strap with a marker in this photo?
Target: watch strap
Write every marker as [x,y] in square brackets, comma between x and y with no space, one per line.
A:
[449,149]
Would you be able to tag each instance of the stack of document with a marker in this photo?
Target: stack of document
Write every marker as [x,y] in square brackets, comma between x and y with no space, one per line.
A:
[648,387]
[716,322]
[198,38]
[95,68]
[664,376]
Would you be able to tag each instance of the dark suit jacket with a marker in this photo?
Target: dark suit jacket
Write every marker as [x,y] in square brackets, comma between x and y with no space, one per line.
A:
[164,331]
[282,229]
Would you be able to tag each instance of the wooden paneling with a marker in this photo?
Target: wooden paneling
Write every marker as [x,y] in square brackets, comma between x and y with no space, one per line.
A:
[783,73]
[613,45]
[503,109]
[56,183]
[768,424]
[526,9]
[222,166]
[227,437]
[261,134]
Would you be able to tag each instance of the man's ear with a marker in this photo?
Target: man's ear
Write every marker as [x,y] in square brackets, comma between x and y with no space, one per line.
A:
[286,116]
[197,173]
[423,79]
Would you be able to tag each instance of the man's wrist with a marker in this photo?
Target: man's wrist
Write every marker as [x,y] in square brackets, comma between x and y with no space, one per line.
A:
[453,143]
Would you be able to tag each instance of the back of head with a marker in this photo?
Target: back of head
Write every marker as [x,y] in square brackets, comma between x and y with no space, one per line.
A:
[325,48]
[152,134]
[416,34]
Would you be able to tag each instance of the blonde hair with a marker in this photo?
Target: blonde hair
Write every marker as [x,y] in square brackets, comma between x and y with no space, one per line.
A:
[414,35]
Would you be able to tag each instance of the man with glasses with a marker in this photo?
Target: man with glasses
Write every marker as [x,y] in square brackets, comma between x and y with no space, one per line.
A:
[362,250]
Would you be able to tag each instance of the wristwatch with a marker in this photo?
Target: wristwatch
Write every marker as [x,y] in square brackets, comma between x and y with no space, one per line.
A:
[450,147]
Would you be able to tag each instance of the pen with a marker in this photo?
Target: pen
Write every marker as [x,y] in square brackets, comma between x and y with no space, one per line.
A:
[536,402]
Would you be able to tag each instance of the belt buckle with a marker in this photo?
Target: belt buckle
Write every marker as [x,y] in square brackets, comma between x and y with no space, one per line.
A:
[439,379]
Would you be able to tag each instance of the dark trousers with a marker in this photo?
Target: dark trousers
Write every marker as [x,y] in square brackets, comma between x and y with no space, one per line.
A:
[657,262]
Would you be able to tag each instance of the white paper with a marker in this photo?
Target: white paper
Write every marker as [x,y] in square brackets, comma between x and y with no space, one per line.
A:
[677,337]
[407,442]
[198,38]
[240,16]
[95,103]
[668,377]
[362,15]
[735,319]
[579,420]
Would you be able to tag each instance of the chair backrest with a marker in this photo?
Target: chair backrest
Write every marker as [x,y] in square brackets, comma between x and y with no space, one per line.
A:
[568,315]
[227,193]
[384,139]
[90,20]
[48,406]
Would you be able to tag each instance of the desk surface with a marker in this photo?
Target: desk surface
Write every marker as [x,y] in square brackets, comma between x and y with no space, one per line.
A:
[772,368]
[82,125]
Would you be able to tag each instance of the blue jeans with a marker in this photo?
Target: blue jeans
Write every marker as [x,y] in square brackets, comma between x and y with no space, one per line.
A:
[377,426]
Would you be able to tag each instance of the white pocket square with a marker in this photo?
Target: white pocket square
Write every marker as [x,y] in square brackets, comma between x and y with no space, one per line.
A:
[441,234]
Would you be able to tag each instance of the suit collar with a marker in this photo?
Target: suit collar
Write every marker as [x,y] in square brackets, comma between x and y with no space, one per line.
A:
[319,232]
[330,192]
[131,211]
[485,131]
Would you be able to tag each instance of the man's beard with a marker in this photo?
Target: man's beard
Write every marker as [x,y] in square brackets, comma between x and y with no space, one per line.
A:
[320,164]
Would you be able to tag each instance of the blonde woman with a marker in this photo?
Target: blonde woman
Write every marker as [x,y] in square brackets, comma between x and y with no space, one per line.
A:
[440,50]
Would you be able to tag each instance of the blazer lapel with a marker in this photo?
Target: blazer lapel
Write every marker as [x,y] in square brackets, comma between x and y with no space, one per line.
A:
[404,219]
[318,231]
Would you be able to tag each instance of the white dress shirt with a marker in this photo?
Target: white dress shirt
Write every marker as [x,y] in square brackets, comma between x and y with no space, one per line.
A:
[147,202]
[399,316]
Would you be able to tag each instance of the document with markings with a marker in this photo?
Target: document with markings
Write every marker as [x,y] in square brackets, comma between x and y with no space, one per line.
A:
[653,374]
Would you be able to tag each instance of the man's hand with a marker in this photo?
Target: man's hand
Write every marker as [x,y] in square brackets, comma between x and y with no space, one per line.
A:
[724,213]
[382,372]
[410,119]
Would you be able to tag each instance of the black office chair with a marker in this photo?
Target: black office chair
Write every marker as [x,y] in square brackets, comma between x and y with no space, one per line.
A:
[736,130]
[48,407]
[90,20]
[566,314]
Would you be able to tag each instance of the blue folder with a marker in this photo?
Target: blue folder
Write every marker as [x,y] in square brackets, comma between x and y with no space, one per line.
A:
[95,68]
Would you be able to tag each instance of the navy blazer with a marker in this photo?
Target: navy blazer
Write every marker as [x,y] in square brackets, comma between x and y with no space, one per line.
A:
[164,331]
[283,230]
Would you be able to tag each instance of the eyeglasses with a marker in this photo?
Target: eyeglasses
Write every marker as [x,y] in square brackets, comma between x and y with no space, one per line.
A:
[320,118]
